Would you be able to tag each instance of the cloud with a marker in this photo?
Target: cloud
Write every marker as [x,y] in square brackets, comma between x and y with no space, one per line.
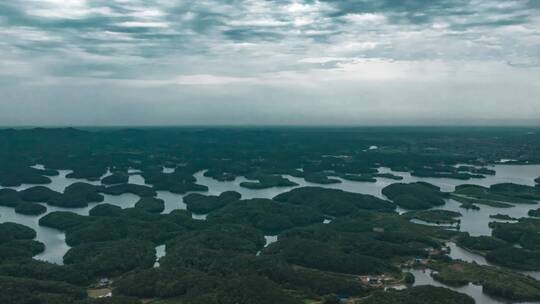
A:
[271,48]
[322,59]
[211,80]
[366,18]
[148,24]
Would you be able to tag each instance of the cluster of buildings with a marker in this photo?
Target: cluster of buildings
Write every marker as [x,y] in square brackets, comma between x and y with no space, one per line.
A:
[103,283]
[383,280]
[102,289]
[434,251]
[423,261]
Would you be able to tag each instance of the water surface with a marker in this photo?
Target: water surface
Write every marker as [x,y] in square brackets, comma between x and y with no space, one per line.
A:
[473,221]
[160,252]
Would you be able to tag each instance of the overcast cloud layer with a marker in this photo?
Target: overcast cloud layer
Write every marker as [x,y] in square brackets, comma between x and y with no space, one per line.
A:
[351,62]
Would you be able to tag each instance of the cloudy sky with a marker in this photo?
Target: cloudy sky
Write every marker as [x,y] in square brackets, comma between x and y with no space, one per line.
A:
[332,62]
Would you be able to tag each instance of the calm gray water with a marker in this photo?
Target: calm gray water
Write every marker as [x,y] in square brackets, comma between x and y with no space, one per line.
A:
[476,221]
[161,251]
[269,239]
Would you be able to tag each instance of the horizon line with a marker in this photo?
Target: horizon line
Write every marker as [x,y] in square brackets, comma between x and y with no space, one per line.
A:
[514,125]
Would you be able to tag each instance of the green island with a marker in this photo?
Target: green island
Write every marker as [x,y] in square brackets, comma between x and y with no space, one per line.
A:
[494,281]
[30,209]
[181,180]
[429,172]
[419,295]
[369,177]
[17,241]
[435,216]
[499,249]
[520,233]
[506,217]
[471,203]
[516,258]
[359,178]
[332,201]
[75,195]
[203,204]
[115,178]
[13,175]
[320,178]
[418,195]
[480,243]
[388,175]
[267,181]
[499,193]
[534,212]
[150,204]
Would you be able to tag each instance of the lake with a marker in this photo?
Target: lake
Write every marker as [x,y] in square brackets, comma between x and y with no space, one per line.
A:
[473,221]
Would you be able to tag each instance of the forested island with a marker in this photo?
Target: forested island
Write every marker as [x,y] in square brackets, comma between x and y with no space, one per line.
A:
[298,228]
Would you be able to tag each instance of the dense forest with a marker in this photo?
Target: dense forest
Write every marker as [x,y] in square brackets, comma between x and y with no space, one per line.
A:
[329,240]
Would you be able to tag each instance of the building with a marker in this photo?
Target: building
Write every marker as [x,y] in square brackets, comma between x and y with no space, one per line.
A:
[375,280]
[104,282]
